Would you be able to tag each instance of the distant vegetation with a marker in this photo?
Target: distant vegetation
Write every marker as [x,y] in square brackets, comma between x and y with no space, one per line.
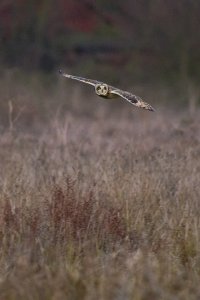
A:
[161,37]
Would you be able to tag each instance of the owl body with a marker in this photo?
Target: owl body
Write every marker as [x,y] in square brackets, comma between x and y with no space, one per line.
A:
[106,91]
[108,96]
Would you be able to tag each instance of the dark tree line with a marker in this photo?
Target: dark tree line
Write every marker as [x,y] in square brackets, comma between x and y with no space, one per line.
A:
[45,33]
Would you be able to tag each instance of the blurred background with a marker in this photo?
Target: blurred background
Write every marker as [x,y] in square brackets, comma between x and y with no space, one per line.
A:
[150,46]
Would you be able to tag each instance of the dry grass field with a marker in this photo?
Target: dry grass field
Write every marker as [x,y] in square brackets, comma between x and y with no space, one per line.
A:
[97,201]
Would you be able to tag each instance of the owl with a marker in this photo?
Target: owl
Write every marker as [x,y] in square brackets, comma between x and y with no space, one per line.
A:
[107,91]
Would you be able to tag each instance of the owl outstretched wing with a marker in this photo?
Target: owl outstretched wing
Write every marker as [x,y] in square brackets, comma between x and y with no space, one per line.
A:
[133,99]
[84,80]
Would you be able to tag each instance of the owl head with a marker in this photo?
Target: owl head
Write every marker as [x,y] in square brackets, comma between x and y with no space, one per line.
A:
[101,89]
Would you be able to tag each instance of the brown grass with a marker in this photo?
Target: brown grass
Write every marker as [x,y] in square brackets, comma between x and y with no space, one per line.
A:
[104,205]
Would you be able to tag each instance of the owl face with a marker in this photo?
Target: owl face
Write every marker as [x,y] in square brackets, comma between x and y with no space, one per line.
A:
[101,89]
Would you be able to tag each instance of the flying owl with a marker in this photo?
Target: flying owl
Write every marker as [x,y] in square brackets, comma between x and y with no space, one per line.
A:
[107,91]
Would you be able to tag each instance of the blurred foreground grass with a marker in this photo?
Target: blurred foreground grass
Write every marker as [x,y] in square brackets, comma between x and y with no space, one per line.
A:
[98,201]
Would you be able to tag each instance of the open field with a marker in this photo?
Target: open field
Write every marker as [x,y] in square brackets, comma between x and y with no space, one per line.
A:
[97,201]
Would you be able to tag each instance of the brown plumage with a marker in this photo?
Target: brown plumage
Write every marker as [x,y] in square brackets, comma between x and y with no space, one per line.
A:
[107,91]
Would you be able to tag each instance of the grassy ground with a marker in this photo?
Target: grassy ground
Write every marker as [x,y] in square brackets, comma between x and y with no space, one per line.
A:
[97,202]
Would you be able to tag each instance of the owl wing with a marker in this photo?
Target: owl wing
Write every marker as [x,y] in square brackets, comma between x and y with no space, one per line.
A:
[85,80]
[133,99]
